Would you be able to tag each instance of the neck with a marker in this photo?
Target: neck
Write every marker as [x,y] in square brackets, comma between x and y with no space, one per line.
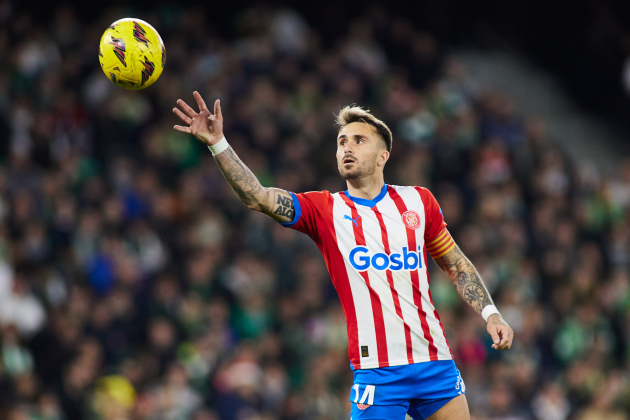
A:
[368,187]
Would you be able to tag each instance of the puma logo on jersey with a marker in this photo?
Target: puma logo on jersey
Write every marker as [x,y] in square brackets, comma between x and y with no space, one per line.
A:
[345,216]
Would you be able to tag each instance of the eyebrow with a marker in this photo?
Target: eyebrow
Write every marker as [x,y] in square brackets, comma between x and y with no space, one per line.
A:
[356,136]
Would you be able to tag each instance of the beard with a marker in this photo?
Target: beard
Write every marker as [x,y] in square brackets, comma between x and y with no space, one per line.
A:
[358,171]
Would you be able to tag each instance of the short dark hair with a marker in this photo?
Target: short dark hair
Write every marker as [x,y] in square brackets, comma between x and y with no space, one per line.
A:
[354,113]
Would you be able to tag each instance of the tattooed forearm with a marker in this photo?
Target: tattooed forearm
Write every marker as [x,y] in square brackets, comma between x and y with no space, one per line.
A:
[272,201]
[241,179]
[465,278]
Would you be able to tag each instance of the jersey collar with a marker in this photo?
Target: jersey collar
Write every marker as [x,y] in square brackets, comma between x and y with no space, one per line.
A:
[366,202]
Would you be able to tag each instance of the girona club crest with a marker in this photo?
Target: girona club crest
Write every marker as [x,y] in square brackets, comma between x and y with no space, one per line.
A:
[411,219]
[362,406]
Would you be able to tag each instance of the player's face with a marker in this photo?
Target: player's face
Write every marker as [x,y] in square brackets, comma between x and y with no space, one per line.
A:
[359,151]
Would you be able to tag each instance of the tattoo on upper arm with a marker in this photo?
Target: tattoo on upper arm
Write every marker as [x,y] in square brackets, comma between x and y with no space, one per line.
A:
[465,278]
[285,206]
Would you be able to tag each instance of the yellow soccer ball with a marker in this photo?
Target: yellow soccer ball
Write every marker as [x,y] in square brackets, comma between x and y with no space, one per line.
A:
[132,54]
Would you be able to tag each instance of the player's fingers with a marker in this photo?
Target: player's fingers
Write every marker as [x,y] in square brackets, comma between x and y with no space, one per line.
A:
[183,129]
[200,101]
[509,338]
[505,338]
[188,110]
[492,329]
[186,119]
[217,109]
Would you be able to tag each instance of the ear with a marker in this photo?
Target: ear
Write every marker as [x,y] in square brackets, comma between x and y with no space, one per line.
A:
[383,157]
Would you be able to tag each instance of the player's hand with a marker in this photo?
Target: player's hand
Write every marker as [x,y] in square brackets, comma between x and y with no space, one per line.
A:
[206,127]
[500,331]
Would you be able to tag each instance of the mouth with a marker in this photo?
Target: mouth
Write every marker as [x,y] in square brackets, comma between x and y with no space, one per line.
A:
[348,160]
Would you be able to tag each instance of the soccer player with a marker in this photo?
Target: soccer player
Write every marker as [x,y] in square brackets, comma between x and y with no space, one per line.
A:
[374,238]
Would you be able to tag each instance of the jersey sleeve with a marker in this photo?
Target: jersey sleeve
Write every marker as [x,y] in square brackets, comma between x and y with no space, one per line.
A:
[436,237]
[310,209]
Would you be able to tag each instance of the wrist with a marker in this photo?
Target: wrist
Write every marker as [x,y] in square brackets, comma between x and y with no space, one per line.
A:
[219,146]
[213,139]
[488,311]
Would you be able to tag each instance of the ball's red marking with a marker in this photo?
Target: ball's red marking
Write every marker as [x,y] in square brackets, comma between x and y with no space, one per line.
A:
[148,70]
[119,49]
[140,34]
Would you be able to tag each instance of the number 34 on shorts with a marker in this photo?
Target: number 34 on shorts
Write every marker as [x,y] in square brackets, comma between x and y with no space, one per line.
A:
[366,392]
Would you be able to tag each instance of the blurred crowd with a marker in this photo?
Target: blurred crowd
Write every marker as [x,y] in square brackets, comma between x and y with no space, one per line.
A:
[134,284]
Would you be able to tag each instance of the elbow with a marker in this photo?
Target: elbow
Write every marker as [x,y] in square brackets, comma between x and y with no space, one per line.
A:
[254,206]
[255,201]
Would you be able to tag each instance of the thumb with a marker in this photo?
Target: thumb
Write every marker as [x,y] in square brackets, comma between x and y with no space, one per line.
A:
[492,329]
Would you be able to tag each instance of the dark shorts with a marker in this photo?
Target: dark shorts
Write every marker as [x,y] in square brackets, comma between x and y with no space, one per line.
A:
[419,390]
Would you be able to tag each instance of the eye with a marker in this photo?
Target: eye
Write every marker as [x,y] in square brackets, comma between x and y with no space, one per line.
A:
[360,141]
[342,143]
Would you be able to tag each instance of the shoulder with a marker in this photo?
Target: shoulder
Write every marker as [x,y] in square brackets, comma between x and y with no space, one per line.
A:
[422,191]
[310,208]
[315,199]
[426,195]
[410,191]
[316,195]
[416,197]
[411,188]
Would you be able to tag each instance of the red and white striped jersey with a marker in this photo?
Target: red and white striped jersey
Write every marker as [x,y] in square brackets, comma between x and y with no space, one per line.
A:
[375,251]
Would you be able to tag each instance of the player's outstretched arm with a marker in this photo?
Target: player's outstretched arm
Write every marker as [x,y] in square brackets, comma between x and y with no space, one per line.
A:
[471,288]
[208,129]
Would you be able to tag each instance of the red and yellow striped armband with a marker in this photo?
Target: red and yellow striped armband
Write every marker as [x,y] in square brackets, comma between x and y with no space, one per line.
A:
[442,243]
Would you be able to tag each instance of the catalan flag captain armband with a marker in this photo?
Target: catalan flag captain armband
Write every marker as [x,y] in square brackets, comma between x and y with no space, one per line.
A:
[219,147]
[441,245]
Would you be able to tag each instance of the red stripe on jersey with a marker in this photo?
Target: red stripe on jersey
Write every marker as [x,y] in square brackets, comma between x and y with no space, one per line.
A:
[390,280]
[377,309]
[415,280]
[435,312]
[340,279]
